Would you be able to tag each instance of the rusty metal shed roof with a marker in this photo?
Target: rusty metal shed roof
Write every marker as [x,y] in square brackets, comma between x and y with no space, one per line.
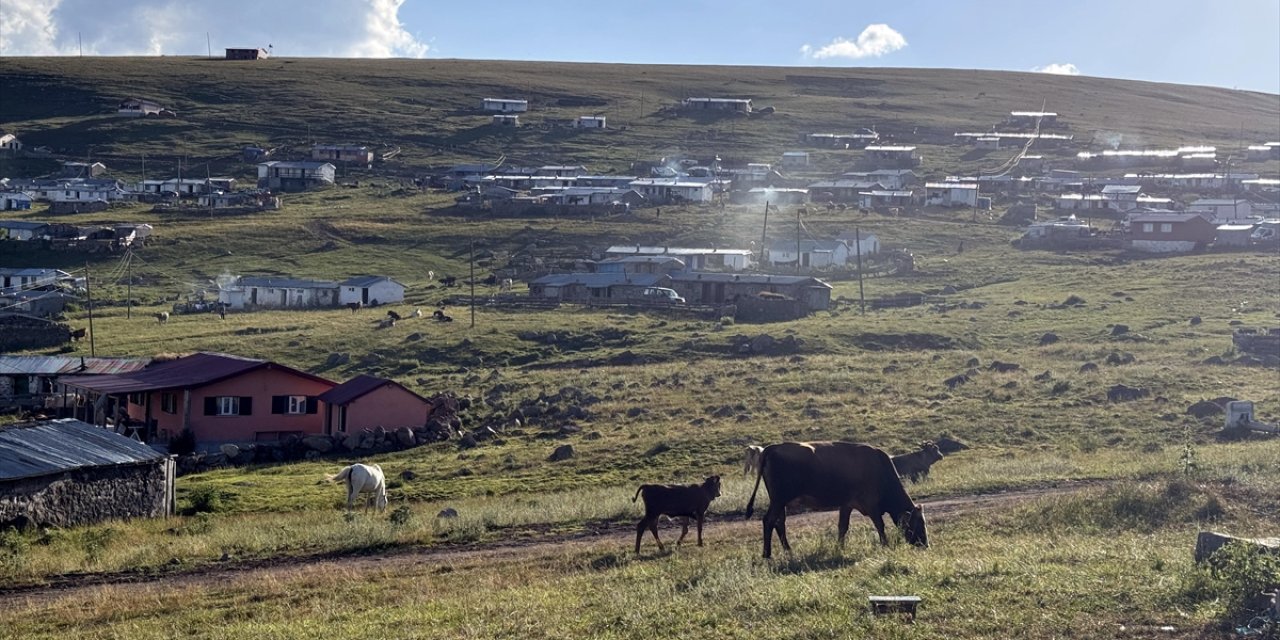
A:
[191,371]
[43,448]
[54,365]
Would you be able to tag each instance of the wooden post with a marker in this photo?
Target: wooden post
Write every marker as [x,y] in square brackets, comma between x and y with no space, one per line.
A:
[186,409]
[764,232]
[128,283]
[797,240]
[471,260]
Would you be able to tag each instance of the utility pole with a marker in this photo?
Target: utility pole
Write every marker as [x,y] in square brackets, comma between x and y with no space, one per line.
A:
[857,240]
[88,293]
[208,43]
[764,232]
[471,260]
[128,284]
[797,240]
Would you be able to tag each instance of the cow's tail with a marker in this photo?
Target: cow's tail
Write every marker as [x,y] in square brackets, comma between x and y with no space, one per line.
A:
[751,504]
[639,491]
[341,475]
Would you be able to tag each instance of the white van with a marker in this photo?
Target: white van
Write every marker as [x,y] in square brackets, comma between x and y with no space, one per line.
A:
[661,295]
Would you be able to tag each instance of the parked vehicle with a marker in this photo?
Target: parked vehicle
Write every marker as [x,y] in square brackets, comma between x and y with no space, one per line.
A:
[661,295]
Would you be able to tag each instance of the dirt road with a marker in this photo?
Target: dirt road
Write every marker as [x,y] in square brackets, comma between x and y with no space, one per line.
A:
[614,535]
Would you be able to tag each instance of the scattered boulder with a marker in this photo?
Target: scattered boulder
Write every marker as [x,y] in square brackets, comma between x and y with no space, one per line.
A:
[1205,409]
[467,442]
[656,449]
[1003,367]
[1073,301]
[955,381]
[1116,358]
[1042,377]
[973,362]
[1119,329]
[447,512]
[337,359]
[408,475]
[1210,541]
[231,451]
[1195,320]
[351,442]
[318,443]
[947,444]
[595,435]
[1125,393]
[1048,338]
[1089,367]
[562,452]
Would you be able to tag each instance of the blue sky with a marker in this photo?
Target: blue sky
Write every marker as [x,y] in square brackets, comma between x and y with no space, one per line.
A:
[1229,43]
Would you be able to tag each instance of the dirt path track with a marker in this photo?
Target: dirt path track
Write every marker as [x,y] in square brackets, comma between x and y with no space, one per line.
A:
[610,535]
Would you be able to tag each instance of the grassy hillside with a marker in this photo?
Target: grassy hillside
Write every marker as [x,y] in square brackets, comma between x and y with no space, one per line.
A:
[431,109]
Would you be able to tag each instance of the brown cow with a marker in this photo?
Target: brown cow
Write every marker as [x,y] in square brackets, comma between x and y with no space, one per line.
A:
[834,476]
[682,501]
[915,465]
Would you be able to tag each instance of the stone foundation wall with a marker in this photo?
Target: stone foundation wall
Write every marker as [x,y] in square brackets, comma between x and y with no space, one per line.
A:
[86,496]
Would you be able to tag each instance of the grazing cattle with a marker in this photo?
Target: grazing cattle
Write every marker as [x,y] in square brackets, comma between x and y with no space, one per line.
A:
[834,476]
[431,275]
[506,284]
[354,306]
[363,478]
[490,280]
[915,465]
[752,460]
[79,334]
[386,324]
[162,317]
[448,281]
[677,501]
[417,313]
[393,315]
[440,316]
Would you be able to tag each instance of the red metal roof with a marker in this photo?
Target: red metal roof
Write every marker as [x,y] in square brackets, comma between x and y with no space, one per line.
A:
[358,386]
[188,372]
[54,365]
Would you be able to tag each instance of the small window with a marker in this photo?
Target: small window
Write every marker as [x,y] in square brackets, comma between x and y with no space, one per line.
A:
[228,406]
[1166,227]
[297,404]
[1148,227]
[169,402]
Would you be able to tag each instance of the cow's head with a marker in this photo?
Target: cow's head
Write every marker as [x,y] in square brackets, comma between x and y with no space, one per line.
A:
[912,525]
[931,450]
[712,485]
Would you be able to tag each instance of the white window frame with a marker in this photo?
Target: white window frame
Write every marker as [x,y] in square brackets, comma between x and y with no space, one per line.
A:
[228,405]
[297,405]
[1166,227]
[1148,227]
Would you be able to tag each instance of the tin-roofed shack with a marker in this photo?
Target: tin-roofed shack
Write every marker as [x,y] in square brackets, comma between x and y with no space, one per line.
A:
[70,473]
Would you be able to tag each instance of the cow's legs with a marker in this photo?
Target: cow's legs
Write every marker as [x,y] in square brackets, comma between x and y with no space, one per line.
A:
[653,526]
[700,518]
[770,522]
[878,520]
[782,530]
[640,528]
[684,530]
[843,529]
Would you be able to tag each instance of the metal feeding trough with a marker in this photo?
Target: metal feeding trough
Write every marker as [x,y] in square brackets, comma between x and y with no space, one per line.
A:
[882,605]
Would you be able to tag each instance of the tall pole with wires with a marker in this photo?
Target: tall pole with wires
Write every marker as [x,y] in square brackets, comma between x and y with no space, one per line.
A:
[798,240]
[471,260]
[88,294]
[128,284]
[857,241]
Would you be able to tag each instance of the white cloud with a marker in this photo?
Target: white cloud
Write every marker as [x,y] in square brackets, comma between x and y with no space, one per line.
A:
[874,41]
[1058,68]
[339,28]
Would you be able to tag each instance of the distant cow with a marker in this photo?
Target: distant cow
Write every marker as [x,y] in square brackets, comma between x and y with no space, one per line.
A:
[354,306]
[834,476]
[682,501]
[506,284]
[490,280]
[448,281]
[751,462]
[417,313]
[162,317]
[441,316]
[393,315]
[79,334]
[915,465]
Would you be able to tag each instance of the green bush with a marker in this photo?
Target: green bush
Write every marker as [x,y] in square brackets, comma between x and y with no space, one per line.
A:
[1241,573]
[205,499]
[400,516]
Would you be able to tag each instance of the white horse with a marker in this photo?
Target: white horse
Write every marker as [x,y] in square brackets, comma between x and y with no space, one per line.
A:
[752,460]
[417,313]
[363,478]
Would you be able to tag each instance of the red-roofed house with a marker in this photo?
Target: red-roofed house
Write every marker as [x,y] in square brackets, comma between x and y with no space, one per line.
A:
[365,402]
[220,398]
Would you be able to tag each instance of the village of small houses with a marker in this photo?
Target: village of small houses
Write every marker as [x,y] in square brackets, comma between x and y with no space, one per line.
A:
[445,348]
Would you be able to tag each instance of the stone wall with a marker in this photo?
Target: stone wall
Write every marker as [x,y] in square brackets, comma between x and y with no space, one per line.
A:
[86,496]
[20,333]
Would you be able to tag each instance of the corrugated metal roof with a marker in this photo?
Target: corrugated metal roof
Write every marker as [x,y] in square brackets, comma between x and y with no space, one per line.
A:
[747,279]
[285,283]
[190,371]
[598,280]
[53,365]
[62,445]
[364,281]
[357,387]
